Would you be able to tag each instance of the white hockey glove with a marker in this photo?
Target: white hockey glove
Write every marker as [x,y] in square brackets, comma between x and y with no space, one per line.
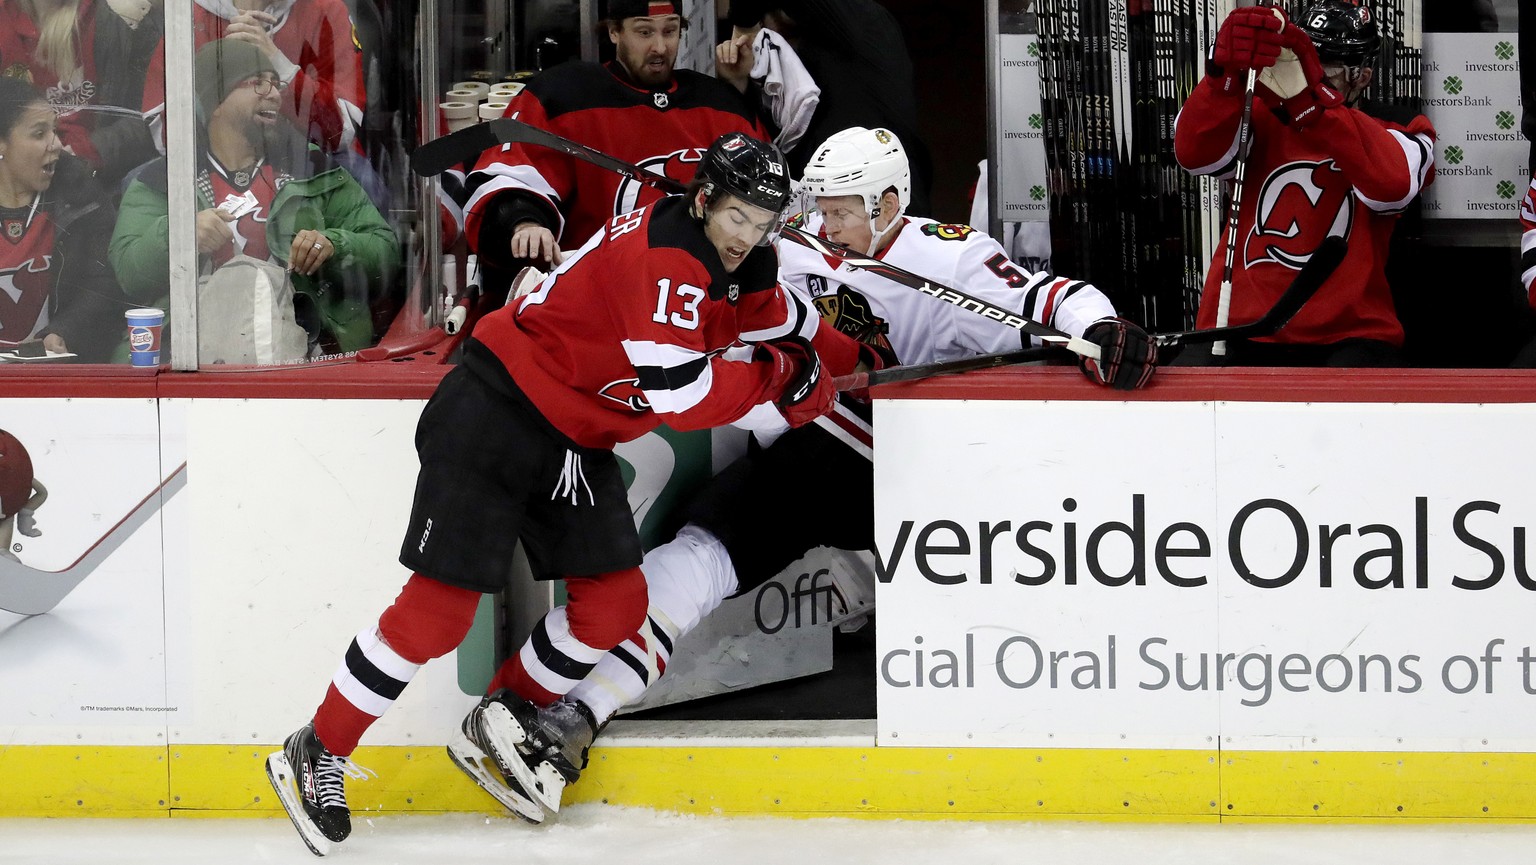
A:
[26,523]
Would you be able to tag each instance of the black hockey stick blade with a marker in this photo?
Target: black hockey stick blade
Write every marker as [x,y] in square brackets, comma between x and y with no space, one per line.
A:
[1324,261]
[442,153]
[862,380]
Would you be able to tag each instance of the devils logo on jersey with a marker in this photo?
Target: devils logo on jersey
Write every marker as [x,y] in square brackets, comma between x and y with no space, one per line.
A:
[628,392]
[1299,205]
[24,290]
[678,165]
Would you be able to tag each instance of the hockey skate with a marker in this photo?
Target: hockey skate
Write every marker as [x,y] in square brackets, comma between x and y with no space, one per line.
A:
[469,751]
[309,782]
[539,751]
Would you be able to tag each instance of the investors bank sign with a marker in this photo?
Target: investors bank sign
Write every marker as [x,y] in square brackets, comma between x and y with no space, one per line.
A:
[1173,575]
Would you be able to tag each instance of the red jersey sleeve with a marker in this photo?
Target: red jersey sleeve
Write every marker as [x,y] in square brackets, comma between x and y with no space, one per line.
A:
[674,335]
[542,172]
[1388,165]
[1205,132]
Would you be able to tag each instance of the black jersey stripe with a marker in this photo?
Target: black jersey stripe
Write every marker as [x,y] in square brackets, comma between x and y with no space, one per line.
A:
[371,676]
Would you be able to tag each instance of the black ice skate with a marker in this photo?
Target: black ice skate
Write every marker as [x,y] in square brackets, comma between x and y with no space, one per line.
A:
[309,782]
[481,761]
[539,750]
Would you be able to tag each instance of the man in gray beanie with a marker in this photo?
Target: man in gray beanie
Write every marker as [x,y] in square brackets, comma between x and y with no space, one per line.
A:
[221,66]
[264,192]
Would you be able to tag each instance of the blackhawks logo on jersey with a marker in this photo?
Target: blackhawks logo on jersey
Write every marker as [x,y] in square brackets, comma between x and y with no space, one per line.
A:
[948,231]
[852,313]
[1299,205]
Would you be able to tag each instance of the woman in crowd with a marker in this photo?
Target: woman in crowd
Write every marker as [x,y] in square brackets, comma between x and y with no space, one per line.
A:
[57,293]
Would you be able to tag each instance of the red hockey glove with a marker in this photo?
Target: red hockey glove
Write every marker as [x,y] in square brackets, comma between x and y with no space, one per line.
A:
[804,393]
[1248,39]
[1296,81]
[1128,357]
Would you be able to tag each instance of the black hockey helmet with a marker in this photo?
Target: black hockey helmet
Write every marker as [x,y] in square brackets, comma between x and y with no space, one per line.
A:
[1344,32]
[751,170]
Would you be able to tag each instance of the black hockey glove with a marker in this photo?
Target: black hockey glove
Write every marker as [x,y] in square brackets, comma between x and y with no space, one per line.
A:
[1128,358]
[804,393]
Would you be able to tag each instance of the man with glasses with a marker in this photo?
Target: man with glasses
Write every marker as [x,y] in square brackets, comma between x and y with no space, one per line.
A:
[1320,166]
[526,203]
[265,193]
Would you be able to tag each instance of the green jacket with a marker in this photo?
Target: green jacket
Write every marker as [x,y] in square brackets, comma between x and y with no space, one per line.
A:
[321,196]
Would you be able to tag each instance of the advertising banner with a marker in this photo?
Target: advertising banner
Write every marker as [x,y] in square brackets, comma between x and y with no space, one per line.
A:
[84,484]
[1472,95]
[1338,577]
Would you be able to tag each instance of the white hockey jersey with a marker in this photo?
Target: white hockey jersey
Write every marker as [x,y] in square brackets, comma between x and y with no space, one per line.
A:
[917,328]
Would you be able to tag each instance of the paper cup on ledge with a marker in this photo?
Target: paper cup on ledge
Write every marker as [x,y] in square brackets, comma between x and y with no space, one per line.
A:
[458,115]
[144,326]
[493,110]
[480,87]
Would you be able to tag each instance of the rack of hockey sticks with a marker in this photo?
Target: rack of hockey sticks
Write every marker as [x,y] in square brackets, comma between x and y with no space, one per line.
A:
[1113,76]
[442,153]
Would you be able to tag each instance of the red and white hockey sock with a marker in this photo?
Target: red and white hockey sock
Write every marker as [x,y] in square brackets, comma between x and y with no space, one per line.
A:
[565,644]
[429,619]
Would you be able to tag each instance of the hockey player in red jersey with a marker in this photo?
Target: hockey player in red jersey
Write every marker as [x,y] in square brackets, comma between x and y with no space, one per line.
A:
[754,518]
[1320,166]
[669,314]
[525,203]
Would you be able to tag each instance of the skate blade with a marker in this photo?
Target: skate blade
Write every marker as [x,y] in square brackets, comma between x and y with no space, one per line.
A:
[503,735]
[280,773]
[482,769]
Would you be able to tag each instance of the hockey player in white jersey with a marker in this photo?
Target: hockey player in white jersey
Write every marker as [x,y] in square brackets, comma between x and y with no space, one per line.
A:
[756,517]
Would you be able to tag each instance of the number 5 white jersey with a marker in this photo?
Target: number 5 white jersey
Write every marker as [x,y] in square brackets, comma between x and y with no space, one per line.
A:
[922,329]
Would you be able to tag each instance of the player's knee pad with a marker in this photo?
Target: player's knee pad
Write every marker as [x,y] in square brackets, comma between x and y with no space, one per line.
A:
[687,578]
[429,619]
[605,610]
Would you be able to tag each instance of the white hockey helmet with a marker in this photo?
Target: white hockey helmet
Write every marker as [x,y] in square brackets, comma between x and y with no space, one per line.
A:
[862,162]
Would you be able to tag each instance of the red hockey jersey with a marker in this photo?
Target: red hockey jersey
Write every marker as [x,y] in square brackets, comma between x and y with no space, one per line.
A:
[324,91]
[27,274]
[1346,174]
[630,332]
[666,131]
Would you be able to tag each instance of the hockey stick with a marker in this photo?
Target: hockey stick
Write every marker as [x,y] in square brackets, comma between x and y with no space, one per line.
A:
[1324,261]
[32,592]
[1234,215]
[442,153]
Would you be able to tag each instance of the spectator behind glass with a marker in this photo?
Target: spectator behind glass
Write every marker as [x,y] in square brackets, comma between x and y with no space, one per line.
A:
[56,291]
[857,55]
[266,193]
[309,43]
[46,43]
[1325,168]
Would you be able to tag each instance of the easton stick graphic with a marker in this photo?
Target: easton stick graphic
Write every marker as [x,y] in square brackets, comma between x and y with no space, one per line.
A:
[1314,273]
[442,153]
[32,592]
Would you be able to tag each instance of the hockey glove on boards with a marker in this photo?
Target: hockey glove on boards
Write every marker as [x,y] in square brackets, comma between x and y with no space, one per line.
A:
[1296,82]
[804,393]
[1128,357]
[1248,39]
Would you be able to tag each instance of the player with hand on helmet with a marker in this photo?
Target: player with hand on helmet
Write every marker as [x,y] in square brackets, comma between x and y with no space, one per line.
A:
[754,518]
[1321,165]
[643,325]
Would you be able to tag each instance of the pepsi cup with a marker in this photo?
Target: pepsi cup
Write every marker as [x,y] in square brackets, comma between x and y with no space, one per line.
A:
[144,327]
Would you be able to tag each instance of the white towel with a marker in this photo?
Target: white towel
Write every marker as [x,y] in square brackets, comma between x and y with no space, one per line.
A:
[789,93]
